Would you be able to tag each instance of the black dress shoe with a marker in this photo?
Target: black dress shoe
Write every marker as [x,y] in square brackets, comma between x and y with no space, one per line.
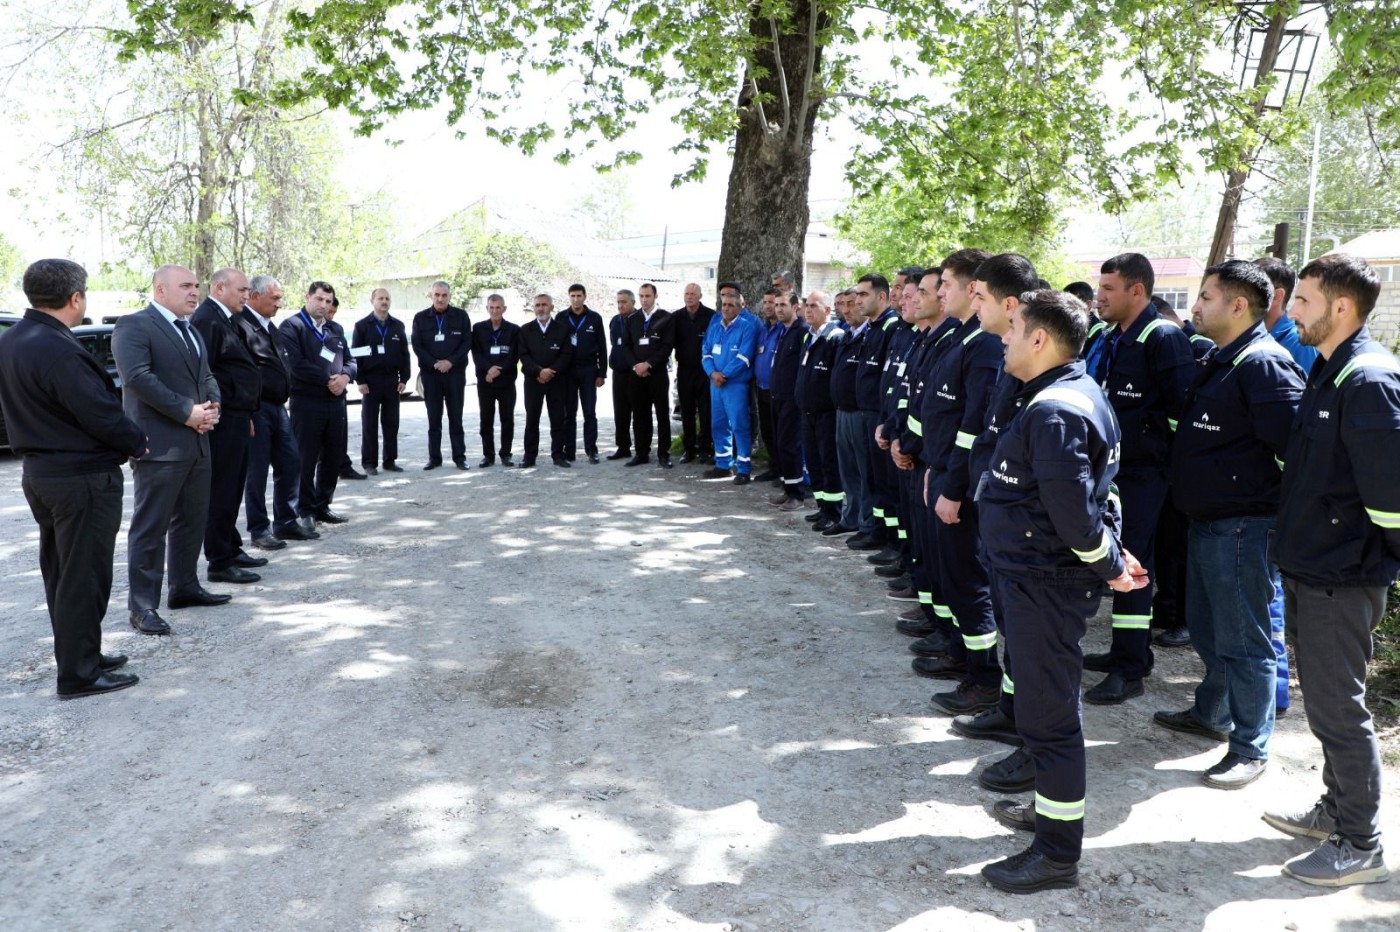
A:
[1173,637]
[111,661]
[688,457]
[593,459]
[885,557]
[620,454]
[563,462]
[934,645]
[269,542]
[460,464]
[485,463]
[1099,663]
[350,472]
[863,542]
[1020,816]
[902,581]
[303,531]
[1113,690]
[326,516]
[506,460]
[198,598]
[372,470]
[767,475]
[664,461]
[742,479]
[813,517]
[149,622]
[249,562]
[431,464]
[527,463]
[967,699]
[1014,773]
[638,460]
[232,574]
[823,524]
[1188,723]
[991,725]
[940,668]
[1030,871]
[836,530]
[715,473]
[105,683]
[392,467]
[889,571]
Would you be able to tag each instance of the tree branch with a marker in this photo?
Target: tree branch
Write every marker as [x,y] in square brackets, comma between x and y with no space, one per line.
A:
[811,77]
[782,80]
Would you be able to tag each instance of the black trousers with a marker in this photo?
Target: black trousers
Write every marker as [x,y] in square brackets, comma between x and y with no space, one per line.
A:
[379,408]
[493,398]
[582,392]
[787,443]
[320,431]
[1143,492]
[819,449]
[764,399]
[228,456]
[450,389]
[168,516]
[78,518]
[553,396]
[651,402]
[693,389]
[1169,602]
[622,408]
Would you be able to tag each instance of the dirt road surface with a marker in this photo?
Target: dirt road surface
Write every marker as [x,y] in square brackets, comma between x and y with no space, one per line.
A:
[598,698]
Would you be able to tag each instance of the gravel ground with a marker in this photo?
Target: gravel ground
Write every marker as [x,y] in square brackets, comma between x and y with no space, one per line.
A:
[601,698]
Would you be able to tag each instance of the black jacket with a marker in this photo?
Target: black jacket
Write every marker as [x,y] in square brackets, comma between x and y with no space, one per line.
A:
[230,359]
[455,328]
[388,356]
[689,338]
[813,389]
[545,349]
[648,340]
[62,410]
[310,369]
[872,359]
[787,359]
[1145,372]
[954,406]
[588,339]
[270,353]
[617,331]
[492,347]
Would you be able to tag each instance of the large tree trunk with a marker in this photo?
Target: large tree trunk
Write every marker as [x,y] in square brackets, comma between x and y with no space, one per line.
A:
[766,214]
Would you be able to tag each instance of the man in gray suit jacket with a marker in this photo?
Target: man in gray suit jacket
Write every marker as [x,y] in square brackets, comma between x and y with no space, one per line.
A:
[170,393]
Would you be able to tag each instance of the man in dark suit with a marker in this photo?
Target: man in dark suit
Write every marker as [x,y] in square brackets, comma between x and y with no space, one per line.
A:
[240,386]
[379,347]
[589,344]
[692,384]
[347,468]
[168,390]
[272,445]
[321,369]
[442,340]
[622,375]
[497,358]
[646,351]
[64,417]
[545,355]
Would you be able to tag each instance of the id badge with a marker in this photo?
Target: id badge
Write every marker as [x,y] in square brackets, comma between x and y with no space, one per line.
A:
[716,350]
[441,337]
[497,350]
[644,341]
[573,340]
[327,354]
[359,351]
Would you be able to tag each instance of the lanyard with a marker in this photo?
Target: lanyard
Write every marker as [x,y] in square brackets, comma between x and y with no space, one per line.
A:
[310,323]
[441,319]
[383,331]
[581,318]
[496,336]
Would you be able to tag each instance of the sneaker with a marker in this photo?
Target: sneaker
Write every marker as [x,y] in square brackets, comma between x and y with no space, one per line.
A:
[1338,863]
[1188,723]
[1234,771]
[1311,823]
[1020,816]
[1014,773]
[1029,872]
[967,699]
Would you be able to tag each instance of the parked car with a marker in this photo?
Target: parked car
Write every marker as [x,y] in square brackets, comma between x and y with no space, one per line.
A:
[95,338]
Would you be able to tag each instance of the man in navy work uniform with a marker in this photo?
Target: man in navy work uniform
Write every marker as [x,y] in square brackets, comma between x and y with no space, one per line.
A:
[1145,367]
[1226,471]
[497,359]
[813,396]
[589,341]
[1338,547]
[621,384]
[442,341]
[545,357]
[787,417]
[65,418]
[1051,541]
[380,347]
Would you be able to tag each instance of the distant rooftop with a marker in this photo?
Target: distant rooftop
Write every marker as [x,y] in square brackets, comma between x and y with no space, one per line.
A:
[1376,246]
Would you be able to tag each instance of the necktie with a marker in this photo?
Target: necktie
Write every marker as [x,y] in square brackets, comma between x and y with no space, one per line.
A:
[184,327]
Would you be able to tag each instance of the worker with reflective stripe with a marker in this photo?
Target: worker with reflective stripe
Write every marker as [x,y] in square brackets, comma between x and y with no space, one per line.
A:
[813,396]
[731,344]
[1226,471]
[1338,546]
[891,490]
[1051,540]
[954,412]
[872,297]
[1145,368]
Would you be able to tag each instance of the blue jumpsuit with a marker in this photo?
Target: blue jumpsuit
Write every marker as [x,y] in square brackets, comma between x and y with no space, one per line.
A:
[730,349]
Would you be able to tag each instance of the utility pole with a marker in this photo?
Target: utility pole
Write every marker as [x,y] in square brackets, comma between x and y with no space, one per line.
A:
[1312,193]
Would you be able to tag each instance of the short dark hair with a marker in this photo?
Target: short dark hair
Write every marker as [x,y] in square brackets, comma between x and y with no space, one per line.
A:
[320,286]
[1341,275]
[1007,275]
[647,285]
[1083,291]
[772,290]
[963,263]
[1134,268]
[912,273]
[1240,279]
[1164,307]
[1059,314]
[1281,274]
[50,283]
[935,270]
[577,287]
[335,302]
[877,281]
[733,286]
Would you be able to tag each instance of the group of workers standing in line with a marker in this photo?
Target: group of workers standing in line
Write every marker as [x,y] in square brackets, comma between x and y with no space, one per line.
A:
[1004,454]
